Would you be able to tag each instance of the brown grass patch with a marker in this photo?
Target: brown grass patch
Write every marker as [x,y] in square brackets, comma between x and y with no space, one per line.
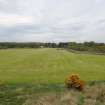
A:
[92,95]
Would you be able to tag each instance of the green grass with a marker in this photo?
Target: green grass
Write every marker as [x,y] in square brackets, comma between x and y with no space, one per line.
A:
[48,66]
[37,76]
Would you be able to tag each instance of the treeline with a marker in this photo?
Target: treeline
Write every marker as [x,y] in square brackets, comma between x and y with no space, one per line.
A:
[86,46]
[5,45]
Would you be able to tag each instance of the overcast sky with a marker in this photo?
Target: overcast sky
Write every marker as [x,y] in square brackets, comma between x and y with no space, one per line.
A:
[52,20]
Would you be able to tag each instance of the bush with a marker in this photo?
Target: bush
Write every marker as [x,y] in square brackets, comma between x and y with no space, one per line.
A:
[74,81]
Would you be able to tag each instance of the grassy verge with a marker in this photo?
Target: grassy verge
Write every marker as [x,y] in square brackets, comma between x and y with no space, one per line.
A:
[52,94]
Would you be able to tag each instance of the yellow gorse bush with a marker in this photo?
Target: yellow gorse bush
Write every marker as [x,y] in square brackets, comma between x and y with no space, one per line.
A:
[74,81]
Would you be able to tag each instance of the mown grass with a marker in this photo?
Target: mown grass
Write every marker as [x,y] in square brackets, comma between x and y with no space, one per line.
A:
[48,65]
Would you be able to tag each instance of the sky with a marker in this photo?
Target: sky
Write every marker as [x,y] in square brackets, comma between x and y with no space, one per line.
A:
[52,20]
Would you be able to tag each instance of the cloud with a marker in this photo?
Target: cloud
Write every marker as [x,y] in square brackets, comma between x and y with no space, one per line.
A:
[52,20]
[12,20]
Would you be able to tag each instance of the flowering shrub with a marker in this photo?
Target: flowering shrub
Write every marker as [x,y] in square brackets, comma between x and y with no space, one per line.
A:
[73,81]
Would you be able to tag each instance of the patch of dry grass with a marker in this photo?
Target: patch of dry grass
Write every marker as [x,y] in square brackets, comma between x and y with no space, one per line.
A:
[92,95]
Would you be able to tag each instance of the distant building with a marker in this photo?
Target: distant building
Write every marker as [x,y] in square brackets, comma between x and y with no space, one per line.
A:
[41,46]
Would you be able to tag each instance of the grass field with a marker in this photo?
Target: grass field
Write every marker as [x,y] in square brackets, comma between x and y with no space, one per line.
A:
[48,65]
[36,77]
